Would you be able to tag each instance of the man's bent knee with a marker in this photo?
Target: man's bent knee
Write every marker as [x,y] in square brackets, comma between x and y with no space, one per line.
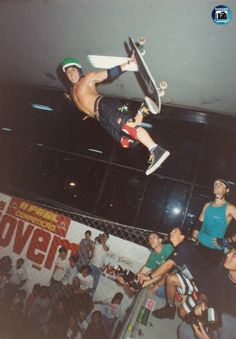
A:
[173,279]
[130,130]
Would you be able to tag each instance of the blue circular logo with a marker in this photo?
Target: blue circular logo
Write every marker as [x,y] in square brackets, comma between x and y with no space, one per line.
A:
[221,15]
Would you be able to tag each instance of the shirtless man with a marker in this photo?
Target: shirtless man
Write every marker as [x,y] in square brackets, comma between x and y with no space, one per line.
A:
[213,222]
[110,112]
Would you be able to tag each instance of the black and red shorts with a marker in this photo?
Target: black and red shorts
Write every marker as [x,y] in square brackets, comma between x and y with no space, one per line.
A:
[113,115]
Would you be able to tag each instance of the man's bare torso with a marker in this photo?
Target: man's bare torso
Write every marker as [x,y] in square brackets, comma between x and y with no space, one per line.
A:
[84,94]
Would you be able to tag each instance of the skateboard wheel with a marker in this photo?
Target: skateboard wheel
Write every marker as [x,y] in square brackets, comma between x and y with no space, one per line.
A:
[163,85]
[143,52]
[161,92]
[142,40]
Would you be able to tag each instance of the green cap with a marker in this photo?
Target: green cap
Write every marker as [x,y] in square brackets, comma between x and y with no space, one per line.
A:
[70,61]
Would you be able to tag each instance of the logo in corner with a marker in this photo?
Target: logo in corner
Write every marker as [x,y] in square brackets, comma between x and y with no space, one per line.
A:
[221,15]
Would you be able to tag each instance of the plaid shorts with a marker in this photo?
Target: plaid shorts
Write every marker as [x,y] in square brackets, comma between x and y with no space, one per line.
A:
[190,290]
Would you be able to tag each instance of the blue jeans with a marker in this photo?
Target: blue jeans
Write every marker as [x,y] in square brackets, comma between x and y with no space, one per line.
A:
[96,275]
[161,292]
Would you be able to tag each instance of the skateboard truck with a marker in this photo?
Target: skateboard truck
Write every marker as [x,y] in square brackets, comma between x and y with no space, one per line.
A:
[140,44]
[154,91]
[162,87]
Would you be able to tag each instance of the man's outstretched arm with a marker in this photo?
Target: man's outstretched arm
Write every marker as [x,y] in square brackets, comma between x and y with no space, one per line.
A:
[157,274]
[113,72]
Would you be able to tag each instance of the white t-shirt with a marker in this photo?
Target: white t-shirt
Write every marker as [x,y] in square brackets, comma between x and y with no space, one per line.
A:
[83,325]
[98,255]
[111,311]
[18,275]
[71,272]
[85,282]
[69,334]
[61,268]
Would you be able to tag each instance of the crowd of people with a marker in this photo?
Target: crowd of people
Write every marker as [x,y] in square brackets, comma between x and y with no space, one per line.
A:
[65,307]
[200,273]
[193,274]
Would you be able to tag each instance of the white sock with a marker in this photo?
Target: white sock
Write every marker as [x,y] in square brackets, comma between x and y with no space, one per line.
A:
[151,149]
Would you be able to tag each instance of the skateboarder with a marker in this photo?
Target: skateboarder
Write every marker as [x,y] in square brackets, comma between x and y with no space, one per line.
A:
[110,112]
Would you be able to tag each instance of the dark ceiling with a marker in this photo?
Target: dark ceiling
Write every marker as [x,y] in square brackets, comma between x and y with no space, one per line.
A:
[183,45]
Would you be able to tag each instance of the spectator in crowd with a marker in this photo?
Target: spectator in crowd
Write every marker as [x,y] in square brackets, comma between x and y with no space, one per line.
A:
[79,300]
[39,313]
[17,314]
[18,303]
[218,292]
[99,253]
[85,251]
[96,328]
[18,274]
[86,279]
[213,222]
[32,297]
[71,271]
[59,320]
[17,280]
[111,311]
[5,269]
[6,266]
[192,270]
[82,322]
[61,266]
[160,253]
[73,330]
[3,282]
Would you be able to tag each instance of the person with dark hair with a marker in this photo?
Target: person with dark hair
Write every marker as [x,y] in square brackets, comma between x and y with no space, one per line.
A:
[213,222]
[85,251]
[18,277]
[71,272]
[86,279]
[80,300]
[3,282]
[113,116]
[39,313]
[191,269]
[17,314]
[160,253]
[218,293]
[73,330]
[111,311]
[32,297]
[61,266]
[19,274]
[82,322]
[6,266]
[96,328]
[58,321]
[100,249]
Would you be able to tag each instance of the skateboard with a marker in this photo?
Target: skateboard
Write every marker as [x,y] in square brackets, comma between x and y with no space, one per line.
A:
[153,91]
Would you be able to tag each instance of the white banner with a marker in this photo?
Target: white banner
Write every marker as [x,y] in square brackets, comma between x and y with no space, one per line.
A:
[34,233]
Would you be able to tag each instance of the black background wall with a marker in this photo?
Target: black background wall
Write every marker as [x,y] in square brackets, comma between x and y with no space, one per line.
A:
[43,151]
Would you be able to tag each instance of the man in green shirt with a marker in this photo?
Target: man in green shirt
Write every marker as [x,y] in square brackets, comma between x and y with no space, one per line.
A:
[160,253]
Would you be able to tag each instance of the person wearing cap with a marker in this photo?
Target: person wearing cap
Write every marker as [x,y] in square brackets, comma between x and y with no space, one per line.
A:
[213,222]
[113,116]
